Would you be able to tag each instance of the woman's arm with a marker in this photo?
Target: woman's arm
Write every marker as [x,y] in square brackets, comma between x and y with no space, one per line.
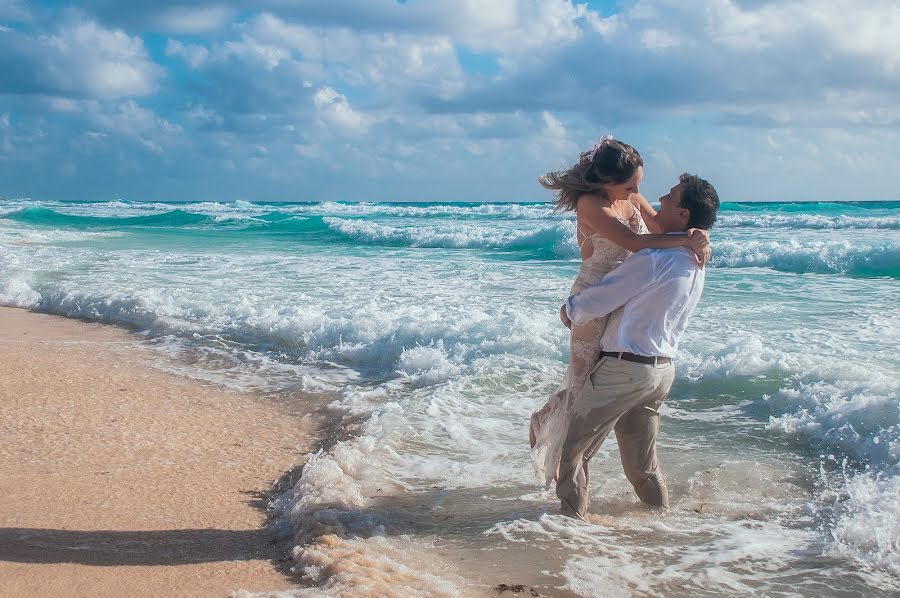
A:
[647,212]
[598,216]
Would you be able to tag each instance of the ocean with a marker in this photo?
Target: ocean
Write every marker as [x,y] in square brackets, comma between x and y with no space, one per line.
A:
[427,333]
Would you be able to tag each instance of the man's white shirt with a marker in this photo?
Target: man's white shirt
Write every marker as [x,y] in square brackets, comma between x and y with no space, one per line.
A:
[649,298]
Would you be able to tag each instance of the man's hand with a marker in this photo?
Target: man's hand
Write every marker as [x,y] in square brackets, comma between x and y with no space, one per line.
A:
[564,317]
[698,241]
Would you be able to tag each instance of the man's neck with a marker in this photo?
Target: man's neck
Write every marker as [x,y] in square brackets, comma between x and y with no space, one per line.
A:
[667,228]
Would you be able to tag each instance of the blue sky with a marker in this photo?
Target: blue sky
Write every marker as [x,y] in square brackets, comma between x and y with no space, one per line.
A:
[467,100]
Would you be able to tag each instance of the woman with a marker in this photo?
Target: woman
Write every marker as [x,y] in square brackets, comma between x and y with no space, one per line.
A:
[613,220]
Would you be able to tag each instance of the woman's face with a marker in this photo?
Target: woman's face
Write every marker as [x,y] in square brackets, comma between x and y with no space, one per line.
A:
[621,191]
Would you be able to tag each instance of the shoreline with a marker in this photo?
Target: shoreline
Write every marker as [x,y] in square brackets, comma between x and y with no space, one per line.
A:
[118,478]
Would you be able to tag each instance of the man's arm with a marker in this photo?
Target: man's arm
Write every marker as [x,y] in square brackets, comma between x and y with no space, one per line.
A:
[615,290]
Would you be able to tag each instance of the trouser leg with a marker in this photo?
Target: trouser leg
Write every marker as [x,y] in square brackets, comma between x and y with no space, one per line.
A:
[613,389]
[593,448]
[574,475]
[636,433]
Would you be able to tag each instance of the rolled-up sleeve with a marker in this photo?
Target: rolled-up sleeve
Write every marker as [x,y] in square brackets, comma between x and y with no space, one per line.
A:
[616,288]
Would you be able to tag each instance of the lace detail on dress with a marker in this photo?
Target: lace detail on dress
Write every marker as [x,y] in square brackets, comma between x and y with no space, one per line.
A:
[550,423]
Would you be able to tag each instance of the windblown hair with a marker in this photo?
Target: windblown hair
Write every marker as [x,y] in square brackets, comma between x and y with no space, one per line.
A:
[699,198]
[611,162]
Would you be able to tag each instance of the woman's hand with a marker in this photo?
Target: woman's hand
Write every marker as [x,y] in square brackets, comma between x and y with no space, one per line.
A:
[698,242]
[564,317]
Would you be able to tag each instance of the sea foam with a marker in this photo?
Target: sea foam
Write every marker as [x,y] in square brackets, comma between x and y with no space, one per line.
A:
[429,334]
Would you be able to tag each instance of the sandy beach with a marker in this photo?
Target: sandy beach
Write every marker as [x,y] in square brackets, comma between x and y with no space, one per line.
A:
[119,479]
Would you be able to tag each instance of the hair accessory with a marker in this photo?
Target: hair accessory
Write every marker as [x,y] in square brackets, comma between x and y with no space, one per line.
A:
[597,146]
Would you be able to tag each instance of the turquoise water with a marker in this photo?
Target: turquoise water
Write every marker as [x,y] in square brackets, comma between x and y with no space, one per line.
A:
[429,331]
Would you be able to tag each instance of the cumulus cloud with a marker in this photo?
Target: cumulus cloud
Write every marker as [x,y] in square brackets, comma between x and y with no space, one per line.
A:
[201,114]
[334,110]
[193,19]
[437,90]
[397,60]
[13,10]
[129,118]
[664,58]
[514,26]
[274,77]
[79,59]
[193,54]
[555,144]
[739,61]
[167,16]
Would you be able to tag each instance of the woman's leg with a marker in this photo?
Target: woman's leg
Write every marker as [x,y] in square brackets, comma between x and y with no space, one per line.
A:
[584,352]
[549,424]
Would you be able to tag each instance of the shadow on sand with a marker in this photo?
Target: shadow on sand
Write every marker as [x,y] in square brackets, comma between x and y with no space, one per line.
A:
[138,548]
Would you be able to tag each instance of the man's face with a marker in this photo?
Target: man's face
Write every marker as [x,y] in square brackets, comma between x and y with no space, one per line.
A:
[671,216]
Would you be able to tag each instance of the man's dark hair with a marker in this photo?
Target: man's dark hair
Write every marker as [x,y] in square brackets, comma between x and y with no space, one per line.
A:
[699,197]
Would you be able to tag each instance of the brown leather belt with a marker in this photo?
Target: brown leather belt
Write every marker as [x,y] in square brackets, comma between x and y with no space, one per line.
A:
[645,359]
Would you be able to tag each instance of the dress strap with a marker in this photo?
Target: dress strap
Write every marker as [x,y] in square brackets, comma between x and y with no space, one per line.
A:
[584,236]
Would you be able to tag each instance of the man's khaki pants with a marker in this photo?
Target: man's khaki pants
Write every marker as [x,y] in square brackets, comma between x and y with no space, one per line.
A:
[625,396]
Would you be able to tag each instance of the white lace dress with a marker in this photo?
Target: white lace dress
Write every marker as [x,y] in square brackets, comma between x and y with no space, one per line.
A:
[550,423]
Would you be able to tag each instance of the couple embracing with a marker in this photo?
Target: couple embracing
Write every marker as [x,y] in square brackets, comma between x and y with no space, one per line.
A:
[641,277]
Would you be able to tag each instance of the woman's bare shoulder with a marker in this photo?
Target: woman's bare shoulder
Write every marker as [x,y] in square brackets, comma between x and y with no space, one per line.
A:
[591,202]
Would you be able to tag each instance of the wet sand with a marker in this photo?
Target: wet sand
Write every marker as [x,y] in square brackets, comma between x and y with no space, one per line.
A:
[119,479]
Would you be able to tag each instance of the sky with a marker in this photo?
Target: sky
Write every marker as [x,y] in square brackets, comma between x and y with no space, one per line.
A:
[444,100]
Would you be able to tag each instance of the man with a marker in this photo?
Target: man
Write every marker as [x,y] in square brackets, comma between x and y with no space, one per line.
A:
[649,298]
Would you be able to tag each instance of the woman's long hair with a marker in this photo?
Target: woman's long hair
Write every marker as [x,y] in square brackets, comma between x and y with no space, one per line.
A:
[609,162]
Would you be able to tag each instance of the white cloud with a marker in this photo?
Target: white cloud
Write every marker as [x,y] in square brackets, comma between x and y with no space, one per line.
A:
[554,128]
[334,110]
[274,74]
[657,40]
[660,157]
[14,10]
[870,29]
[514,26]
[255,52]
[190,19]
[193,54]
[58,104]
[79,59]
[508,26]
[308,150]
[204,115]
[554,143]
[100,62]
[788,63]
[398,60]
[449,91]
[129,120]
